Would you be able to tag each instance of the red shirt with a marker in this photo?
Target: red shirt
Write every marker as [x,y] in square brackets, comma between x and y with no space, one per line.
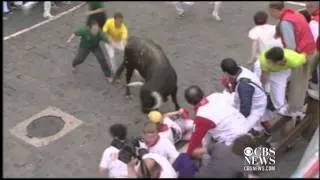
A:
[303,36]
[202,126]
[315,16]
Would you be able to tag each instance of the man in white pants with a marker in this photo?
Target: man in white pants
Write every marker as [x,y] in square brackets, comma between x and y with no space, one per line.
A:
[46,8]
[5,9]
[117,33]
[182,6]
[215,10]
[262,36]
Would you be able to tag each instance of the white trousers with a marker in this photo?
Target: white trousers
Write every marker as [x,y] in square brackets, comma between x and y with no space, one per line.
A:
[111,51]
[46,6]
[18,3]
[217,5]
[182,5]
[276,85]
[5,7]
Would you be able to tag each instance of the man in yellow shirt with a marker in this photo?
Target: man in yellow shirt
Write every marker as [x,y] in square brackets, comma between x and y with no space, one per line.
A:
[117,34]
[276,65]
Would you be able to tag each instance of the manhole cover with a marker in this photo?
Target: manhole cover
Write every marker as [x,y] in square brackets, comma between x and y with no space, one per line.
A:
[45,126]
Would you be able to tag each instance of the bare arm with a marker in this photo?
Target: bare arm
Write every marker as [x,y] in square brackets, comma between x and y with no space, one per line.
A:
[287,33]
[71,37]
[103,171]
[199,152]
[254,50]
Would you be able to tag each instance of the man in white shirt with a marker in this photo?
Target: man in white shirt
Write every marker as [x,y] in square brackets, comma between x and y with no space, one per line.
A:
[262,37]
[156,144]
[181,162]
[110,165]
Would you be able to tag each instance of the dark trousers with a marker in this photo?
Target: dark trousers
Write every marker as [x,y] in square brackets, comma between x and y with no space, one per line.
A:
[97,51]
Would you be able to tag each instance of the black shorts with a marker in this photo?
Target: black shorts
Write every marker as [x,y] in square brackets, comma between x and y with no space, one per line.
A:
[99,17]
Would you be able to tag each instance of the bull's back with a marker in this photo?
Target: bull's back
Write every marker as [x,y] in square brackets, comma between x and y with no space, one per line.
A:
[148,58]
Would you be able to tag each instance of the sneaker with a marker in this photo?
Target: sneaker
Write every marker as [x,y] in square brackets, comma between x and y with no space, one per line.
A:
[314,86]
[181,13]
[314,94]
[189,3]
[216,16]
[73,69]
[110,79]
[283,111]
[26,9]
[47,16]
[298,116]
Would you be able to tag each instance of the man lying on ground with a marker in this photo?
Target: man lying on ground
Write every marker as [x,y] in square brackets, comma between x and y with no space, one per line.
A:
[175,126]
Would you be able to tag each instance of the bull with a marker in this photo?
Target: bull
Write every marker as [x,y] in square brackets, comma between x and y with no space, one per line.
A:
[160,79]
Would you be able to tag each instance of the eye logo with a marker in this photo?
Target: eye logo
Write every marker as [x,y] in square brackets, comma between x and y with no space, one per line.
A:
[248,151]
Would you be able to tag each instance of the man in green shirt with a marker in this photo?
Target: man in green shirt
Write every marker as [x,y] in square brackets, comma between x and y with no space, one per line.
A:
[90,38]
[276,64]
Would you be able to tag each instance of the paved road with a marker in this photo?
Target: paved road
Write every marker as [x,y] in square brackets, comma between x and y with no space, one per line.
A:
[37,74]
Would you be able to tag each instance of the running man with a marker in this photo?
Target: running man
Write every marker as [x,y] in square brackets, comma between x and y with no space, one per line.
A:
[90,39]
[46,8]
[182,6]
[117,34]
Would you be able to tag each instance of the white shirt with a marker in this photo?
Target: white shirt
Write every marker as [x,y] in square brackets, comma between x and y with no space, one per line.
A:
[167,169]
[165,148]
[230,123]
[314,26]
[265,36]
[110,161]
[259,99]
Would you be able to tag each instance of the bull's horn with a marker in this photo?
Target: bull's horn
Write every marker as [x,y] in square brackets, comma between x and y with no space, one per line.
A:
[137,83]
[158,100]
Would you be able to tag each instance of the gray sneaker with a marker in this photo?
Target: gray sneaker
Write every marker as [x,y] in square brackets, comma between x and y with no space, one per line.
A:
[314,94]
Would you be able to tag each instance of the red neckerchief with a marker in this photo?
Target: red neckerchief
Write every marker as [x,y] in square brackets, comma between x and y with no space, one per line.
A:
[155,142]
[285,11]
[202,102]
[315,15]
[163,127]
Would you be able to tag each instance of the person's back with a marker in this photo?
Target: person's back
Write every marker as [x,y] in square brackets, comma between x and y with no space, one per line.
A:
[229,124]
[115,168]
[110,164]
[265,36]
[290,58]
[167,170]
[258,94]
[222,164]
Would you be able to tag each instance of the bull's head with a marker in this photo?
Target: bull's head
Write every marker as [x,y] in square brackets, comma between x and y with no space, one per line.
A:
[150,100]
